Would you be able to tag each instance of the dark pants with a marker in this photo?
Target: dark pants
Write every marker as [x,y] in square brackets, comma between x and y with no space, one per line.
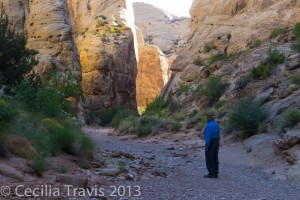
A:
[212,157]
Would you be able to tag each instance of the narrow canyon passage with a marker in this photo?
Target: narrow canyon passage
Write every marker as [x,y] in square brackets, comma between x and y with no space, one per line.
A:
[183,166]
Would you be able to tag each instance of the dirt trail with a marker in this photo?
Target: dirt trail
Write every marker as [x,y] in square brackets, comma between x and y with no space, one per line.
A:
[241,176]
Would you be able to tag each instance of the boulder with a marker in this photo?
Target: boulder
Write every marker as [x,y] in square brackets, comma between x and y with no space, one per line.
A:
[8,171]
[21,147]
[292,137]
[294,172]
[263,97]
[279,145]
[293,62]
[283,92]
[110,171]
[74,180]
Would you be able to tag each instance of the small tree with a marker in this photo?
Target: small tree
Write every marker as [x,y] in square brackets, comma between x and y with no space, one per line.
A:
[15,58]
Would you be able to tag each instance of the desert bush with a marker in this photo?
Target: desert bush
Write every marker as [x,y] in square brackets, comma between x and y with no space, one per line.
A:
[184,89]
[160,107]
[215,88]
[176,126]
[246,115]
[296,45]
[15,58]
[208,47]
[147,125]
[7,113]
[47,95]
[198,62]
[243,82]
[261,71]
[296,30]
[108,116]
[257,43]
[62,169]
[129,125]
[295,80]
[87,146]
[122,114]
[288,119]
[39,165]
[278,31]
[215,57]
[274,56]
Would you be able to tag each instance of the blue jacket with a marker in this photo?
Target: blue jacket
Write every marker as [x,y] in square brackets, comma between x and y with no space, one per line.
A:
[212,130]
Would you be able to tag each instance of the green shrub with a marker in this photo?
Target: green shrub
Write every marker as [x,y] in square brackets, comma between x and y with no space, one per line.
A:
[129,125]
[296,30]
[176,126]
[184,89]
[198,62]
[91,117]
[107,117]
[5,130]
[7,113]
[214,88]
[87,146]
[261,71]
[215,57]
[274,56]
[39,165]
[147,125]
[160,107]
[208,47]
[15,58]
[122,114]
[122,166]
[295,80]
[246,115]
[61,139]
[243,82]
[278,31]
[62,169]
[296,45]
[288,119]
[263,128]
[48,95]
[257,43]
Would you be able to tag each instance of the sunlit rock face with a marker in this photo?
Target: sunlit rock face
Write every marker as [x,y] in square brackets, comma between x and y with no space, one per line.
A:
[106,45]
[92,38]
[152,75]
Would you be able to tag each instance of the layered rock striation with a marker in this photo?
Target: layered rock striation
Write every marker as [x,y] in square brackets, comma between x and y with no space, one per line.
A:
[94,39]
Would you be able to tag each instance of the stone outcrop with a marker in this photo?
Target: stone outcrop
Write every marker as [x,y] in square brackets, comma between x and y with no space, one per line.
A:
[106,46]
[94,39]
[153,73]
[161,28]
[230,25]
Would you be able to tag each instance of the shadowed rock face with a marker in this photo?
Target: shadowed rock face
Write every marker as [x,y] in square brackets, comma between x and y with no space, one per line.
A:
[90,38]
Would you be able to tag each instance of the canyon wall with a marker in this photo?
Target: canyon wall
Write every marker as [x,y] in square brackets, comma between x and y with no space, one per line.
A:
[231,26]
[91,38]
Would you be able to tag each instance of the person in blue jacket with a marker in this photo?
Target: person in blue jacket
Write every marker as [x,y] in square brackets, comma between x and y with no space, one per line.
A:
[212,143]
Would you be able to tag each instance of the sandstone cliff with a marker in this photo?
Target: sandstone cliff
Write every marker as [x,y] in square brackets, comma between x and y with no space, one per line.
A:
[153,73]
[161,28]
[94,39]
[231,26]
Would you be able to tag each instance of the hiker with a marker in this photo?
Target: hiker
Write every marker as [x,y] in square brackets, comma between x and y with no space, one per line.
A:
[212,143]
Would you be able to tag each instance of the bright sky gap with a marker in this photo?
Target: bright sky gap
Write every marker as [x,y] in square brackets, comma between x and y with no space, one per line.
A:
[175,7]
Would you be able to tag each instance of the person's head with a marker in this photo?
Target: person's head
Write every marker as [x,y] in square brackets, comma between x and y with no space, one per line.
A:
[209,115]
